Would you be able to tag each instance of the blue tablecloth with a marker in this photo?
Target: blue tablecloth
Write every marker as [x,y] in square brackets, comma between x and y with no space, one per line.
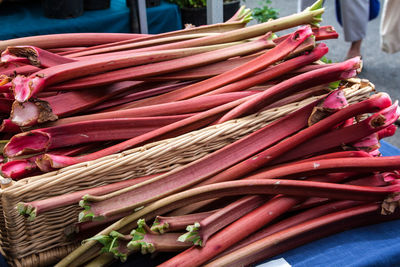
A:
[19,20]
[375,245]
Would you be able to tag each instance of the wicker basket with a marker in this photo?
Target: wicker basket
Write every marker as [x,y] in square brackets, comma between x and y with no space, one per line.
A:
[43,242]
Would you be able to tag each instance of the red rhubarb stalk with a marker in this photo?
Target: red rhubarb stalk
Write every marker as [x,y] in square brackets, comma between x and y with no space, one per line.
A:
[373,104]
[45,139]
[336,72]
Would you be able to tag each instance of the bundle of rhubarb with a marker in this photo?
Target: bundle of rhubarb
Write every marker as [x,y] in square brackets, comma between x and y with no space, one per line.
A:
[201,130]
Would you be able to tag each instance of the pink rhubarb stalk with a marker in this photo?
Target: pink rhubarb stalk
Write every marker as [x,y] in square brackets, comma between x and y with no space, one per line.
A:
[336,72]
[21,168]
[269,57]
[344,136]
[121,101]
[45,139]
[26,87]
[33,56]
[174,108]
[199,232]
[61,105]
[274,71]
[163,224]
[7,126]
[359,164]
[37,207]
[154,69]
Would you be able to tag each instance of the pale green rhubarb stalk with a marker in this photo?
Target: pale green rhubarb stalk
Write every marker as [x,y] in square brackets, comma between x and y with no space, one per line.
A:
[271,56]
[208,166]
[301,234]
[51,108]
[42,140]
[311,16]
[26,87]
[238,21]
[35,208]
[33,56]
[168,109]
[178,200]
[69,39]
[199,232]
[373,104]
[339,71]
[163,224]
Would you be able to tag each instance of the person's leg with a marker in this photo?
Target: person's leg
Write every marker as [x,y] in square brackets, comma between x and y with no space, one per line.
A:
[355,16]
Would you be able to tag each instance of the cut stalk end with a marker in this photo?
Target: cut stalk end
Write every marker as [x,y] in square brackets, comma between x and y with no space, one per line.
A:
[192,235]
[26,87]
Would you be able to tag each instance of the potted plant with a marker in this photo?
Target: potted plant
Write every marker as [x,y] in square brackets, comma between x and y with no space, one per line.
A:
[194,11]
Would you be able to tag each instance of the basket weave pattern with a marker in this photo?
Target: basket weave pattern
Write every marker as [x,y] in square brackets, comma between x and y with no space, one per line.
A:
[43,241]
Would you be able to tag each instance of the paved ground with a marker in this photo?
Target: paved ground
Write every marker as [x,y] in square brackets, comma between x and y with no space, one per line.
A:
[380,68]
